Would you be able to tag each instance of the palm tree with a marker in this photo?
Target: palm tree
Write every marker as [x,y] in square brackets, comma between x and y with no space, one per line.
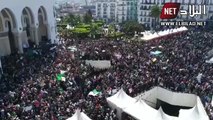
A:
[155,13]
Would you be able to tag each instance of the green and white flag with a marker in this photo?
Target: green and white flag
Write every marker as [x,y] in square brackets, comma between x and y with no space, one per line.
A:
[94,93]
[60,77]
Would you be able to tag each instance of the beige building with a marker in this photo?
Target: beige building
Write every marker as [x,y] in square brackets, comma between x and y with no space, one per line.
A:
[22,20]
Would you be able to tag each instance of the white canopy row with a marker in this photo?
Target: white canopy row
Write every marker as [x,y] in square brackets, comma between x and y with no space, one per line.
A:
[148,35]
[79,116]
[139,109]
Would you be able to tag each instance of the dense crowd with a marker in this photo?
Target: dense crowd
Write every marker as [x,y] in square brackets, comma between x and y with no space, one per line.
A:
[32,91]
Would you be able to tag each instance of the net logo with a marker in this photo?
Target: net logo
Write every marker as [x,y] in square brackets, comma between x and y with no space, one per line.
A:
[171,10]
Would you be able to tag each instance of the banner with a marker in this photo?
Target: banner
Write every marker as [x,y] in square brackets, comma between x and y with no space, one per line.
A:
[155,52]
[99,64]
[28,108]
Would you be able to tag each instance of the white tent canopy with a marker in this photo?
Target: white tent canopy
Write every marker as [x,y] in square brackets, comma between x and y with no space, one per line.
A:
[99,64]
[79,116]
[210,61]
[165,116]
[147,35]
[197,112]
[141,111]
[119,101]
[212,101]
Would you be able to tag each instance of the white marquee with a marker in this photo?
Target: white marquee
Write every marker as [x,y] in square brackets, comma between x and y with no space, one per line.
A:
[140,110]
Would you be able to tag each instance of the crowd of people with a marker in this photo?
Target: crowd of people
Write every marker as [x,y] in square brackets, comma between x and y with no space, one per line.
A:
[30,89]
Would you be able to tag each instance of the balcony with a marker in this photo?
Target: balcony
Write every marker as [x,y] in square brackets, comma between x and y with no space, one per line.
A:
[121,4]
[147,3]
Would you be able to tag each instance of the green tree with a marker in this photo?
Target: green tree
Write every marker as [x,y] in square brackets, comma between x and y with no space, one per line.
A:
[155,13]
[130,27]
[80,32]
[71,19]
[95,30]
[111,28]
[88,17]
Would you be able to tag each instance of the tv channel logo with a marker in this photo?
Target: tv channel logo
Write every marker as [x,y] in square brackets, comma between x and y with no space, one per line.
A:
[171,10]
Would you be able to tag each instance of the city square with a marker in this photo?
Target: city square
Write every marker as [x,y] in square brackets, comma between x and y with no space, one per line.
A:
[104,60]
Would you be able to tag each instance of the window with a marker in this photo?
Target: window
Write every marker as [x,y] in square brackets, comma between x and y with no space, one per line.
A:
[105,5]
[148,19]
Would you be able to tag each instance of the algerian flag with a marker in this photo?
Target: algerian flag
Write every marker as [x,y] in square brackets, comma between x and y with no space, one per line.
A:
[72,48]
[94,92]
[155,52]
[60,77]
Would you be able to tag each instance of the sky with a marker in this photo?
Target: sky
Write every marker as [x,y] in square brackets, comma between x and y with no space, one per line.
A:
[76,1]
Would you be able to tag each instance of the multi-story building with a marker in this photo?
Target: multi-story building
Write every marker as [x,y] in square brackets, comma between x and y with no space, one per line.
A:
[122,11]
[116,10]
[106,10]
[144,10]
[140,10]
[127,10]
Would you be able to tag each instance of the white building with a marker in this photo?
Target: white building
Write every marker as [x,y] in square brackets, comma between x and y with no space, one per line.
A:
[116,10]
[144,10]
[24,20]
[127,10]
[106,10]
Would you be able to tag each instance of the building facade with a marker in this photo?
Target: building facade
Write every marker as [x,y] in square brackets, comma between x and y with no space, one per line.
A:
[116,10]
[127,10]
[144,10]
[106,10]
[21,21]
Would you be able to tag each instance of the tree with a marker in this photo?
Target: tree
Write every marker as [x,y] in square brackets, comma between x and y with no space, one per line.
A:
[88,17]
[80,32]
[94,30]
[155,13]
[111,28]
[130,27]
[71,19]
